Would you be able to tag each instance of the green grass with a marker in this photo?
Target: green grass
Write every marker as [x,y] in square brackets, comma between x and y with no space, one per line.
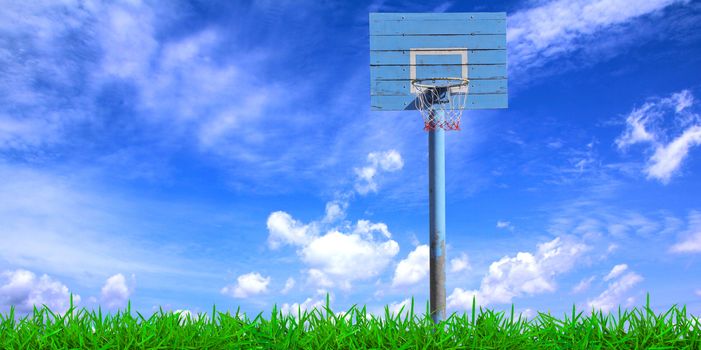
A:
[354,329]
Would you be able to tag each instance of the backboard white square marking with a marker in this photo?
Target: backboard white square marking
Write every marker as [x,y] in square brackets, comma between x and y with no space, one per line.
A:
[436,51]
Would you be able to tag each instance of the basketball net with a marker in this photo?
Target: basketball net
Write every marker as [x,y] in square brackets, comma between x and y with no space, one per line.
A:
[441,101]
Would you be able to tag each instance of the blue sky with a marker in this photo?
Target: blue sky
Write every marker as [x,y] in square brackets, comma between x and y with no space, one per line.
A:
[188,154]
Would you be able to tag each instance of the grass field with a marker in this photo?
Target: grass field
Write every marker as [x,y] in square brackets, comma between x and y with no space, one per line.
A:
[353,329]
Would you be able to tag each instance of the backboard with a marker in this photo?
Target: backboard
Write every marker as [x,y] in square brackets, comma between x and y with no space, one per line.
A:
[409,46]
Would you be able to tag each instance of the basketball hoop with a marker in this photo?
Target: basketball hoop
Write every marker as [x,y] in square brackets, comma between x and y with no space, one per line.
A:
[441,101]
[409,53]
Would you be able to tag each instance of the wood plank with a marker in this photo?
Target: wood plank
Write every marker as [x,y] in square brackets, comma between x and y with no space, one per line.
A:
[399,103]
[375,16]
[486,41]
[403,87]
[428,27]
[402,57]
[426,72]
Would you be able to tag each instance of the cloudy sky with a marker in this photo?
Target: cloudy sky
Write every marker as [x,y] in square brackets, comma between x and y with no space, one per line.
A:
[184,154]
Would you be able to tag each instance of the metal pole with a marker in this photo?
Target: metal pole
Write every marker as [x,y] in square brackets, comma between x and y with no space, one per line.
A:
[436,192]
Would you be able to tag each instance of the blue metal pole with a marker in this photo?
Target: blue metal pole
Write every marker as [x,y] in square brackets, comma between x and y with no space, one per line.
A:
[436,191]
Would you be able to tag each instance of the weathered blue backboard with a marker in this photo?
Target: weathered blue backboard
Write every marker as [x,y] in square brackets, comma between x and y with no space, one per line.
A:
[408,46]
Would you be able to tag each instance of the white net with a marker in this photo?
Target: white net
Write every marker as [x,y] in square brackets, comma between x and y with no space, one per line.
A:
[441,101]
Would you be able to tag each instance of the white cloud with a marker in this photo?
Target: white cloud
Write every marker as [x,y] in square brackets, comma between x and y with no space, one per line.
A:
[523,274]
[247,285]
[307,305]
[365,228]
[177,79]
[317,302]
[667,159]
[682,100]
[555,28]
[460,263]
[531,274]
[184,315]
[395,307]
[289,284]
[414,268]
[691,242]
[698,292]
[645,125]
[333,257]
[583,285]
[365,182]
[319,278]
[512,276]
[24,290]
[388,161]
[636,126]
[616,271]
[462,299]
[283,229]
[337,256]
[614,295]
[528,313]
[505,225]
[115,293]
[335,210]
